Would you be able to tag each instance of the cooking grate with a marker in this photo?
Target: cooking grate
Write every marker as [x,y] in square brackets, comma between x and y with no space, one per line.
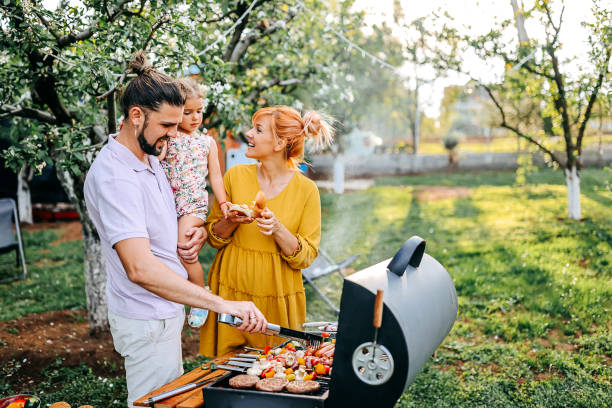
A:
[222,395]
[224,383]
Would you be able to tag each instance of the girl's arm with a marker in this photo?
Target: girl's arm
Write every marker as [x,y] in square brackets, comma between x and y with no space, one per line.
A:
[162,155]
[215,177]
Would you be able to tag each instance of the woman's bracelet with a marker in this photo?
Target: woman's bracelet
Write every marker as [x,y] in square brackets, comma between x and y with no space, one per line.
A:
[222,202]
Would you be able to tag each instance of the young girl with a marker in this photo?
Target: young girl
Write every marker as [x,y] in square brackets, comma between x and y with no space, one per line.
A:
[187,159]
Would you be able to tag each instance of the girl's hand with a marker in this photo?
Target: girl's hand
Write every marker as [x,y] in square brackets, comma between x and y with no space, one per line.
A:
[268,223]
[225,209]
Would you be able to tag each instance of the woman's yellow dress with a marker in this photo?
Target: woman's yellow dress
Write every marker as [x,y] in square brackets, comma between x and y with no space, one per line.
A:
[251,266]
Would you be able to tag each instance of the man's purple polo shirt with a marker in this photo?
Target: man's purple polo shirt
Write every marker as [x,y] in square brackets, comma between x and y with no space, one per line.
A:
[128,199]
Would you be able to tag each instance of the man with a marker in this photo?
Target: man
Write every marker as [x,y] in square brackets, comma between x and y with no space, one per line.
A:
[132,206]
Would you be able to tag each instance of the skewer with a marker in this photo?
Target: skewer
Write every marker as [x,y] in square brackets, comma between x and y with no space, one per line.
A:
[249,356]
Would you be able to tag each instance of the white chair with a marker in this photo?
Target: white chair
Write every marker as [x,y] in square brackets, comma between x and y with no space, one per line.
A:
[323,265]
[8,218]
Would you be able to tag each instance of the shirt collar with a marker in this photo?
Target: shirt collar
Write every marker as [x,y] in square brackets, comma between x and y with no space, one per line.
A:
[126,155]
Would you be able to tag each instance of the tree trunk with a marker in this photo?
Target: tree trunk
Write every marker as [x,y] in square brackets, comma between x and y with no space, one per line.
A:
[417,120]
[572,179]
[520,22]
[94,265]
[24,198]
[339,174]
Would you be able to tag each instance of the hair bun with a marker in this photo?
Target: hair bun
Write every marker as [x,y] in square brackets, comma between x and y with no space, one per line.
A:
[139,64]
[312,123]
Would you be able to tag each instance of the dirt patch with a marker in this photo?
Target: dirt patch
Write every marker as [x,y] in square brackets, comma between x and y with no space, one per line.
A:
[491,368]
[36,341]
[457,366]
[566,346]
[544,342]
[549,375]
[433,193]
[69,230]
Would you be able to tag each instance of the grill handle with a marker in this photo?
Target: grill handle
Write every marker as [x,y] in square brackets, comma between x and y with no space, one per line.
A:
[410,254]
[378,309]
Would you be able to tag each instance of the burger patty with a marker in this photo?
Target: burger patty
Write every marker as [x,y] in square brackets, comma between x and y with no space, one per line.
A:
[243,381]
[271,384]
[303,387]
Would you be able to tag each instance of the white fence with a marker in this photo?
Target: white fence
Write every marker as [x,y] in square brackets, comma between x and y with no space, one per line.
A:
[403,163]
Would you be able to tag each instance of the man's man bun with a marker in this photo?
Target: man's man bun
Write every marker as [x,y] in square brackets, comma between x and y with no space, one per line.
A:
[139,64]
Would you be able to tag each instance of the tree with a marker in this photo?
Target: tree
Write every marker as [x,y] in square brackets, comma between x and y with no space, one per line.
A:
[536,78]
[62,69]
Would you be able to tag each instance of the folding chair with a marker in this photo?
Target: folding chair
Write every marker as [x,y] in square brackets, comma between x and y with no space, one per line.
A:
[8,216]
[323,265]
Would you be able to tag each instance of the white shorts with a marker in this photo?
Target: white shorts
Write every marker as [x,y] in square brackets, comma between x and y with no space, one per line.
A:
[151,350]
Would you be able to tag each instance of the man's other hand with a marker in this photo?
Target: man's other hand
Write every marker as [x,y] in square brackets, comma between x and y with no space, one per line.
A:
[190,250]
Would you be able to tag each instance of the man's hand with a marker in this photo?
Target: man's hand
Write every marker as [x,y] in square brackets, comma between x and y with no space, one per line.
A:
[190,250]
[253,321]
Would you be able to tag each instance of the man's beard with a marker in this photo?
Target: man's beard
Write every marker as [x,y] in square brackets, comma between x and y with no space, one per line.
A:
[145,146]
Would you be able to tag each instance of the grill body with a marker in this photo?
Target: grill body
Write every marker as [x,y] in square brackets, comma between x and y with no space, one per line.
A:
[420,308]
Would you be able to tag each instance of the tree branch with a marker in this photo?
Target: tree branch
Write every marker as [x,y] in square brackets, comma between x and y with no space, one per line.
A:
[71,38]
[162,20]
[242,8]
[550,21]
[276,81]
[243,44]
[592,99]
[531,69]
[220,18]
[31,113]
[515,130]
[47,24]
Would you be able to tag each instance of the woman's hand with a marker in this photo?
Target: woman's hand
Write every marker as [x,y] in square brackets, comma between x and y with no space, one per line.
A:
[190,250]
[239,218]
[268,223]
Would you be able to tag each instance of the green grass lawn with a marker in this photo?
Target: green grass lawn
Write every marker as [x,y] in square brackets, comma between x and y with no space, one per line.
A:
[535,289]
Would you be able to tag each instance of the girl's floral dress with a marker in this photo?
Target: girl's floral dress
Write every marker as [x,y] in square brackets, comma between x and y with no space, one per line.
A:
[186,166]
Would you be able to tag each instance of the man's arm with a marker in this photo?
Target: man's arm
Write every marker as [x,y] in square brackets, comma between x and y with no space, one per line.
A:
[146,270]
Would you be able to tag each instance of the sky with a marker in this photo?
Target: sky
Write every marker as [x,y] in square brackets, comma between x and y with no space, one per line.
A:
[480,15]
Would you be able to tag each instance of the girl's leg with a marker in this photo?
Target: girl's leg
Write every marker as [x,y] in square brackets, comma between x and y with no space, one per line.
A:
[194,270]
[195,273]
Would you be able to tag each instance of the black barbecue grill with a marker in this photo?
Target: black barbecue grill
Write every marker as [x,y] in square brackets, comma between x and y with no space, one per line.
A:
[373,362]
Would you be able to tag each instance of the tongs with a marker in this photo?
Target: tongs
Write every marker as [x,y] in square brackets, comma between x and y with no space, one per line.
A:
[313,339]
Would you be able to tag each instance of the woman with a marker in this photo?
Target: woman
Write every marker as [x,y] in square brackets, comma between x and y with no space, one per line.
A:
[261,259]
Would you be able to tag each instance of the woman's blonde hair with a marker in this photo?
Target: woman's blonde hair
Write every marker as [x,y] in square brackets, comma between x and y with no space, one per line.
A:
[286,123]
